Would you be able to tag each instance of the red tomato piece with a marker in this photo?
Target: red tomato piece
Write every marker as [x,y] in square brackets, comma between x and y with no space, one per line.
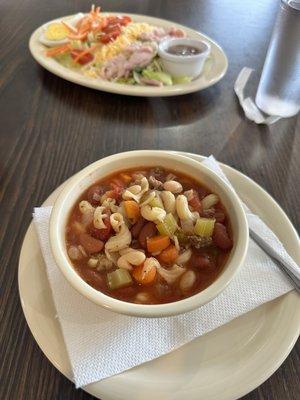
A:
[102,234]
[117,183]
[86,58]
[94,194]
[195,202]
[90,244]
[112,28]
[125,20]
[110,37]
[114,193]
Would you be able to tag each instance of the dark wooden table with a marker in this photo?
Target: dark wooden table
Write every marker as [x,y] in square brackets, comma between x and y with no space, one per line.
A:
[51,128]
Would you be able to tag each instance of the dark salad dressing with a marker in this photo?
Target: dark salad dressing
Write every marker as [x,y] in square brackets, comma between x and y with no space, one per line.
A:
[183,50]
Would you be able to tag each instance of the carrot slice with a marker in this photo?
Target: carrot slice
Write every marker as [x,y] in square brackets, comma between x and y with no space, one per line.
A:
[144,273]
[69,27]
[132,209]
[157,243]
[58,50]
[169,255]
[78,36]
[125,177]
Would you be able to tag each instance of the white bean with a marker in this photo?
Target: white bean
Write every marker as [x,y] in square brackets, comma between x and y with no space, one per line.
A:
[173,186]
[209,201]
[93,262]
[187,281]
[168,199]
[184,257]
[74,253]
[142,297]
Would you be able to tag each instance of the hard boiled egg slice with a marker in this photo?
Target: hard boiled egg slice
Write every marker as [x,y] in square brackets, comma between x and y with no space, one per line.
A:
[56,34]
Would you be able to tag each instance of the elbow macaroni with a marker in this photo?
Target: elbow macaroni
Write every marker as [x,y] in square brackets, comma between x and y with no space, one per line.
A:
[110,204]
[170,275]
[184,257]
[169,201]
[182,208]
[122,238]
[136,192]
[153,213]
[116,221]
[148,198]
[131,257]
[98,217]
[85,207]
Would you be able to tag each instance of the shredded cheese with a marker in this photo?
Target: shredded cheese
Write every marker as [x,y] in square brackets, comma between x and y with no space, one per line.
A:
[129,34]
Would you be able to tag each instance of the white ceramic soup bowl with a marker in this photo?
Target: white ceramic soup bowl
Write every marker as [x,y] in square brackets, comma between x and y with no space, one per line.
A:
[144,158]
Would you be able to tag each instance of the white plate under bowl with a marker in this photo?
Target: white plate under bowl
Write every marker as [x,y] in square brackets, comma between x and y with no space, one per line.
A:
[214,69]
[224,364]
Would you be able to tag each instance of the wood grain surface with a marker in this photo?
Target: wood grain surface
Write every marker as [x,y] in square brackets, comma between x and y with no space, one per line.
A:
[51,128]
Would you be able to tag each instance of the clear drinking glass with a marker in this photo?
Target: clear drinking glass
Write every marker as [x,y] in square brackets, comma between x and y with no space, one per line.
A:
[278,91]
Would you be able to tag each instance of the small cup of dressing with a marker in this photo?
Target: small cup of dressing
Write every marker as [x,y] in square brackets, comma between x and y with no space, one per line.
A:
[183,56]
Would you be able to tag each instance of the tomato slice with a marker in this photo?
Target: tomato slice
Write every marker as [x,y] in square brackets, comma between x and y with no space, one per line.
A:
[125,20]
[111,36]
[86,58]
[122,20]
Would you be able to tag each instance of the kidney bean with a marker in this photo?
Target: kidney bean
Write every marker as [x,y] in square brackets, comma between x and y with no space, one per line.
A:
[147,232]
[202,192]
[200,261]
[94,194]
[124,293]
[90,244]
[158,173]
[93,278]
[102,234]
[221,237]
[137,227]
[220,216]
[163,291]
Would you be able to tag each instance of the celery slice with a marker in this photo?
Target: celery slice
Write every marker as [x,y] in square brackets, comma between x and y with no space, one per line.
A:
[168,226]
[182,237]
[204,227]
[157,202]
[118,279]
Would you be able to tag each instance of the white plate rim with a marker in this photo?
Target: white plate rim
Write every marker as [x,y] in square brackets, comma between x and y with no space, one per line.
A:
[289,340]
[198,84]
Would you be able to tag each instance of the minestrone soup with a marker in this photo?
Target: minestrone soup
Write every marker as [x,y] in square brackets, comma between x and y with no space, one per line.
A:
[148,236]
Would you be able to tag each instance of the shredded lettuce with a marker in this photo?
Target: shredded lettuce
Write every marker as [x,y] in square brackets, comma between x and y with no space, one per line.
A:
[163,77]
[155,66]
[126,81]
[67,61]
[181,79]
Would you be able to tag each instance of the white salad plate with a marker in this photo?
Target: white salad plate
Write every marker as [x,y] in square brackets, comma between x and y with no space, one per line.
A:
[214,69]
[224,364]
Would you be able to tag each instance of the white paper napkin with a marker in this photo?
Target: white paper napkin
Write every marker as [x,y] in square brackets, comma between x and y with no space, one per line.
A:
[248,105]
[101,343]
